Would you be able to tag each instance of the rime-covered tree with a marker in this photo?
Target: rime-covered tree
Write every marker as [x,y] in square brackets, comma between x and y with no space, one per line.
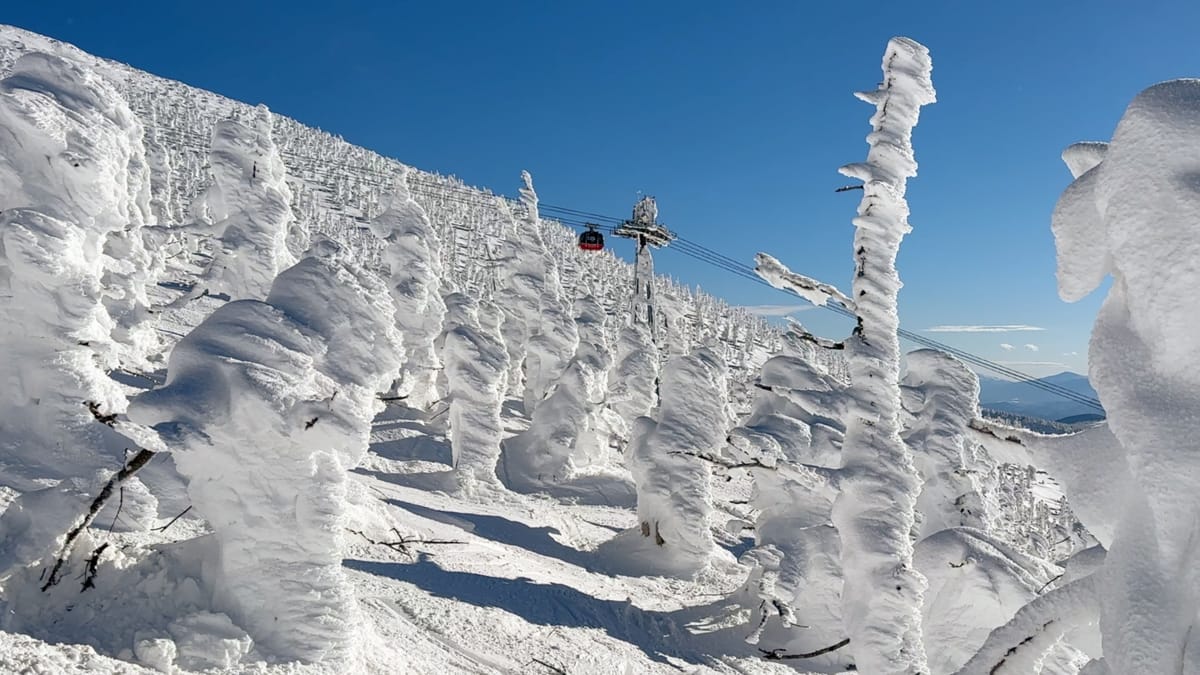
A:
[266,407]
[249,205]
[476,368]
[69,185]
[561,434]
[667,458]
[941,399]
[412,257]
[633,380]
[878,484]
[1131,214]
[552,344]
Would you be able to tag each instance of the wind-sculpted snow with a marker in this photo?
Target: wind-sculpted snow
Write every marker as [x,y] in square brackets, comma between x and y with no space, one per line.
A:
[566,428]
[249,208]
[552,343]
[67,145]
[874,510]
[412,258]
[633,380]
[266,406]
[941,398]
[1133,216]
[666,456]
[476,375]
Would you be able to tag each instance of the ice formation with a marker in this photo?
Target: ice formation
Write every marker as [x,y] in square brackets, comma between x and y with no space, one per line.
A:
[476,366]
[874,509]
[69,187]
[266,406]
[413,259]
[249,205]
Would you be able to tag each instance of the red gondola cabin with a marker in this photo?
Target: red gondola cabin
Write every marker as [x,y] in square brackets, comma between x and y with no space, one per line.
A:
[591,240]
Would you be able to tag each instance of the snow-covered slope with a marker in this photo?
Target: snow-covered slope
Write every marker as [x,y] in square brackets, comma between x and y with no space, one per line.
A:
[378,421]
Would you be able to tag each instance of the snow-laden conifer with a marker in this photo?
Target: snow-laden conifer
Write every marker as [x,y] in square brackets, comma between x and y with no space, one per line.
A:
[794,427]
[412,257]
[941,398]
[69,185]
[249,206]
[1131,213]
[877,481]
[667,457]
[552,344]
[476,368]
[633,380]
[874,510]
[266,406]
[562,432]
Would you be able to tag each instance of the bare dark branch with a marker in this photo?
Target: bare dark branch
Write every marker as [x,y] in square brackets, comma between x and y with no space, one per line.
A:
[139,460]
[778,655]
[402,544]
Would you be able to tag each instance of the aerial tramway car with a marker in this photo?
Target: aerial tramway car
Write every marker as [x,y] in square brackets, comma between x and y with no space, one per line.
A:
[591,240]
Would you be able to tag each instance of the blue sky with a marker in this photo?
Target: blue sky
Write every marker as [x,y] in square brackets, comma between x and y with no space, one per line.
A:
[735,115]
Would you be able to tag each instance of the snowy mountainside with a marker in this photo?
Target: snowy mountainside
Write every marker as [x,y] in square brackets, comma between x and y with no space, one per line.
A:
[287,406]
[339,187]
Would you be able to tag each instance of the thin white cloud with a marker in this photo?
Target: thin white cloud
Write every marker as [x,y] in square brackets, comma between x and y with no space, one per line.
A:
[776,310]
[1003,328]
[1056,364]
[1032,348]
[1070,353]
[1006,347]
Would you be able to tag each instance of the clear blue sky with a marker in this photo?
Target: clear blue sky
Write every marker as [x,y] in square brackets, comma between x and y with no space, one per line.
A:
[735,115]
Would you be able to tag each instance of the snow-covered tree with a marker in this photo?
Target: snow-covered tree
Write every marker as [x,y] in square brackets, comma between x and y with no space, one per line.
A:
[941,399]
[67,145]
[265,408]
[565,427]
[874,510]
[412,257]
[595,361]
[633,380]
[669,459]
[249,205]
[552,345]
[476,370]
[1131,214]
[793,432]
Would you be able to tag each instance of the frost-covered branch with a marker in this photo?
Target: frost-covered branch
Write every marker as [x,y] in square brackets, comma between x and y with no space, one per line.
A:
[1017,646]
[134,465]
[778,275]
[403,544]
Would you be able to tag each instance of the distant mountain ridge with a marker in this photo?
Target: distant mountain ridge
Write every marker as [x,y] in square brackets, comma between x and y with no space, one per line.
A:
[1021,398]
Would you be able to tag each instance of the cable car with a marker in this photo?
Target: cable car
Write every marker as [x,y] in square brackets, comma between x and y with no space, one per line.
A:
[591,240]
